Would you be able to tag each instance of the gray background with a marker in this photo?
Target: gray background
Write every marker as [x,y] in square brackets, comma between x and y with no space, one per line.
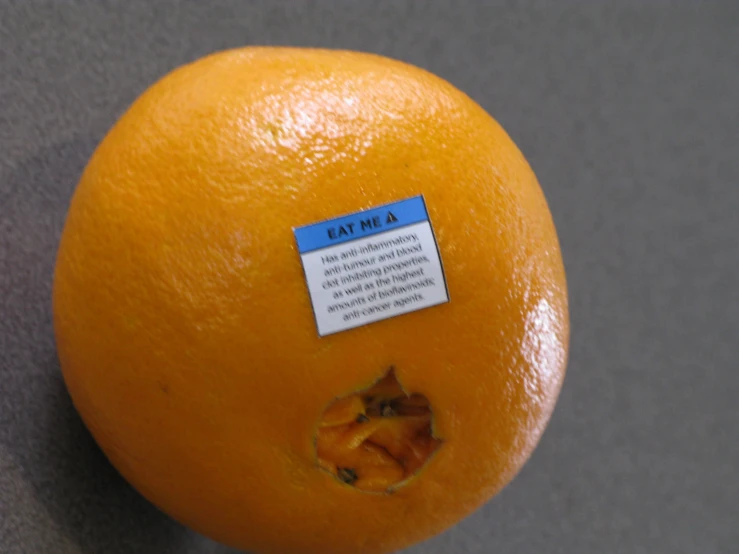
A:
[627,112]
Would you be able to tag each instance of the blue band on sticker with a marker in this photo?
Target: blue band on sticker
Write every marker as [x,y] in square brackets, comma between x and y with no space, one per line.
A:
[361,224]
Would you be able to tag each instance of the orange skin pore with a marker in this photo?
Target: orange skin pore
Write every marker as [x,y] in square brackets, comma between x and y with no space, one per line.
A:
[185,329]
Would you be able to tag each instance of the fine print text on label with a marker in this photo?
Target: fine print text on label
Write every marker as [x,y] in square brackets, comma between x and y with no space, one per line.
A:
[371,265]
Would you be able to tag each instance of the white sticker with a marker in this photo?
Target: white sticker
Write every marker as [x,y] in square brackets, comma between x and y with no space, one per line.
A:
[371,265]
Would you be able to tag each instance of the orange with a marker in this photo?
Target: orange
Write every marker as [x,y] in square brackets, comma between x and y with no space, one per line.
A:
[185,329]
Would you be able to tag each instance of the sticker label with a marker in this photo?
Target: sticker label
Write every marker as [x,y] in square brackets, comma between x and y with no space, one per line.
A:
[371,265]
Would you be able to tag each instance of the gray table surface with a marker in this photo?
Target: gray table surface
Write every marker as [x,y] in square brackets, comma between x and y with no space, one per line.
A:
[628,113]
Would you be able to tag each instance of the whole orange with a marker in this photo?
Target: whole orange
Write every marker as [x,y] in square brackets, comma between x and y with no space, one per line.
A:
[185,329]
